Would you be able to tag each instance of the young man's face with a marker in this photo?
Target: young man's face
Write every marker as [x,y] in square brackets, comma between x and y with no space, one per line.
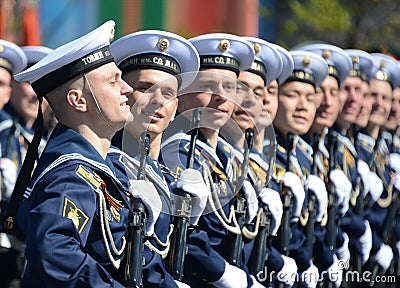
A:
[154,100]
[351,97]
[215,90]
[250,92]
[366,107]
[296,108]
[24,101]
[394,116]
[111,94]
[5,87]
[381,91]
[329,108]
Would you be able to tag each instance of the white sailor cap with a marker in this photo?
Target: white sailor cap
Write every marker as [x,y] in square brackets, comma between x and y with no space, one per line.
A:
[267,63]
[287,62]
[12,58]
[339,62]
[309,67]
[69,60]
[35,53]
[224,51]
[363,64]
[389,69]
[154,49]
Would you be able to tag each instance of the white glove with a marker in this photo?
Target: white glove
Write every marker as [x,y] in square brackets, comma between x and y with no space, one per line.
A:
[317,187]
[233,277]
[375,186]
[251,201]
[343,187]
[310,277]
[366,242]
[9,174]
[396,183]
[191,181]
[343,252]
[181,284]
[394,162]
[287,274]
[272,199]
[384,257]
[256,284]
[293,182]
[363,171]
[398,247]
[335,272]
[146,191]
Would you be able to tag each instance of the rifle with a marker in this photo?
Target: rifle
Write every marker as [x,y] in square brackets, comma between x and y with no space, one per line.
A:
[137,224]
[312,201]
[176,256]
[259,255]
[284,233]
[332,205]
[240,202]
[359,205]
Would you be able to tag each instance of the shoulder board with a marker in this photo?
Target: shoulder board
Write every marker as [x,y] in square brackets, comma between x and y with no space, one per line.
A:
[92,179]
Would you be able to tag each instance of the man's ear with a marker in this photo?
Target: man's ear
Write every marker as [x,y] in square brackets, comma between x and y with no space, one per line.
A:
[76,100]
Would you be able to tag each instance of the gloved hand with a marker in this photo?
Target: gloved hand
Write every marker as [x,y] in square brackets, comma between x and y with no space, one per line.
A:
[309,278]
[191,181]
[256,284]
[9,173]
[181,284]
[366,242]
[251,201]
[363,171]
[335,272]
[293,182]
[394,162]
[146,191]
[317,187]
[396,183]
[383,257]
[272,199]
[287,274]
[343,187]
[233,277]
[343,252]
[375,186]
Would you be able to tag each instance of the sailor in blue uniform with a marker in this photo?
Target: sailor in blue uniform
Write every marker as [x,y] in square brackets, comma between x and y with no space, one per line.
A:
[267,67]
[222,57]
[296,111]
[75,212]
[12,60]
[351,97]
[339,65]
[155,99]
[16,133]
[384,80]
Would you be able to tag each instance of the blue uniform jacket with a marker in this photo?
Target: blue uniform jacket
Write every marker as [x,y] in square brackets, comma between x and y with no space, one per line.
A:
[154,271]
[64,221]
[208,245]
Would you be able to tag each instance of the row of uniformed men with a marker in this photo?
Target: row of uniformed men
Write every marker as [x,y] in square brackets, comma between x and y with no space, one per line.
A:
[315,93]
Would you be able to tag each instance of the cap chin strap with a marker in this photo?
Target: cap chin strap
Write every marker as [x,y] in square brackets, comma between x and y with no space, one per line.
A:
[97,105]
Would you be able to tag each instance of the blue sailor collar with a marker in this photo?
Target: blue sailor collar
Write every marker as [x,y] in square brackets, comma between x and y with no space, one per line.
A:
[66,145]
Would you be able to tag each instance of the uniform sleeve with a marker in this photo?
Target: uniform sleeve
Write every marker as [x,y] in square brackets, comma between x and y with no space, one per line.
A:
[59,235]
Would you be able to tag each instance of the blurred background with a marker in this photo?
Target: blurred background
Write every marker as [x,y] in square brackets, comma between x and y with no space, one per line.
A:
[371,25]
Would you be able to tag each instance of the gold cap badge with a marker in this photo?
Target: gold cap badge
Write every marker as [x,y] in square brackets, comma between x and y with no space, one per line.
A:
[306,61]
[257,48]
[163,44]
[224,45]
[326,54]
